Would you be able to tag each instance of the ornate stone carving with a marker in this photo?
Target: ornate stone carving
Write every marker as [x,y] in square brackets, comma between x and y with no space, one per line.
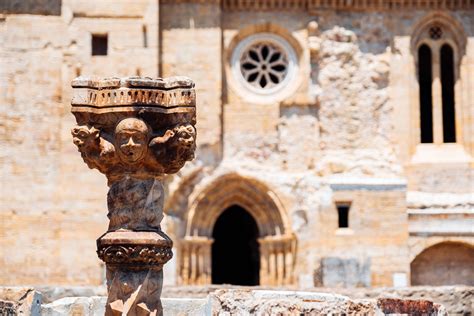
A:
[125,254]
[141,248]
[134,130]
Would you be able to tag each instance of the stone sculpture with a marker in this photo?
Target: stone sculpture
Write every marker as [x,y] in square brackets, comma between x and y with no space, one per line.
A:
[135,131]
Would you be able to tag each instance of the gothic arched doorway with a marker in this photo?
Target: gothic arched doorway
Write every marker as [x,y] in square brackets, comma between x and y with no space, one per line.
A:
[235,250]
[211,221]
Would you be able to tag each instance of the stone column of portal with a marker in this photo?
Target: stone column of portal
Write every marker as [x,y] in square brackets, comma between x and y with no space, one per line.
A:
[135,131]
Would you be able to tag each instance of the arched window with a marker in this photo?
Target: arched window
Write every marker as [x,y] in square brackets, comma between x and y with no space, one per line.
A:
[438,44]
[425,79]
[447,88]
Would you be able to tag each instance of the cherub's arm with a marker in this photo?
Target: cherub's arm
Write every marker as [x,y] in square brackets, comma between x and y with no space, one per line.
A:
[162,139]
[107,149]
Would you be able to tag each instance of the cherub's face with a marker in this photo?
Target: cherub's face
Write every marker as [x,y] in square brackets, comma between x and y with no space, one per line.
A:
[83,136]
[186,136]
[131,139]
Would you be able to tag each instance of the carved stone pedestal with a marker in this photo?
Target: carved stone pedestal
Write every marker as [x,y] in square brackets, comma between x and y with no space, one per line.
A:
[134,130]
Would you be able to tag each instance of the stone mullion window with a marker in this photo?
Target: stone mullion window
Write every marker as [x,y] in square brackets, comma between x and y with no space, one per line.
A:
[437,95]
[425,75]
[437,126]
[448,93]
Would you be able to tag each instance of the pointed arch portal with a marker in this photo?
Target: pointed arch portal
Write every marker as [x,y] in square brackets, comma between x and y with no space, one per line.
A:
[237,233]
[235,250]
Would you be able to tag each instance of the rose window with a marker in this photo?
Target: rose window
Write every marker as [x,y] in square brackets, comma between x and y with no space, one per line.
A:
[264,68]
[264,65]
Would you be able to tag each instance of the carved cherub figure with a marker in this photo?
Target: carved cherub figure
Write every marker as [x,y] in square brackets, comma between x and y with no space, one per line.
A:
[87,141]
[131,140]
[186,141]
[85,138]
[92,146]
[175,147]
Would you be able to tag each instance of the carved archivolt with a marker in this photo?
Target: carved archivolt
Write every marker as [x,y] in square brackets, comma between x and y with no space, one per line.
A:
[453,32]
[424,244]
[231,190]
[277,242]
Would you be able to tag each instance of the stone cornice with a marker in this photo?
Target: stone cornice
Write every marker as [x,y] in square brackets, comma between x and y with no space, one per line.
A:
[316,5]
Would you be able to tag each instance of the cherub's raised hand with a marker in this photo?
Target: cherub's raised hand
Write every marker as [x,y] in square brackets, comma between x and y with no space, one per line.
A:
[162,139]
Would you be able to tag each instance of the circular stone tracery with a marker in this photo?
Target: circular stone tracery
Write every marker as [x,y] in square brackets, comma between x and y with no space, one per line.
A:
[436,32]
[264,65]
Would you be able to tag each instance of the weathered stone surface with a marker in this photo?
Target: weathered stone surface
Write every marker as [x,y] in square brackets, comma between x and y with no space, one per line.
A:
[54,293]
[186,306]
[260,302]
[410,307]
[81,306]
[134,137]
[41,7]
[95,306]
[20,301]
[337,272]
[457,300]
[251,302]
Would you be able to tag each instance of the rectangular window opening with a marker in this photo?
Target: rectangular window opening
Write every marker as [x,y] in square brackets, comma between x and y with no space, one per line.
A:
[343,214]
[99,44]
[145,36]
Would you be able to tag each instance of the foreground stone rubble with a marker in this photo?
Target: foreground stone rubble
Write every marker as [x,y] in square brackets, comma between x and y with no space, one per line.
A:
[27,301]
[212,300]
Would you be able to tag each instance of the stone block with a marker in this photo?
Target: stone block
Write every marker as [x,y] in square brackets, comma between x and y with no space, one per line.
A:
[338,272]
[251,302]
[95,305]
[19,301]
[40,7]
[80,306]
[186,306]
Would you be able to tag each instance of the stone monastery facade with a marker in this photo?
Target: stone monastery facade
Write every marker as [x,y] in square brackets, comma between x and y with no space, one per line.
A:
[335,139]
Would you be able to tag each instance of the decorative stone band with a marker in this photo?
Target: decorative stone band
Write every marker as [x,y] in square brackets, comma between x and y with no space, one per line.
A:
[170,95]
[135,254]
[140,249]
[315,5]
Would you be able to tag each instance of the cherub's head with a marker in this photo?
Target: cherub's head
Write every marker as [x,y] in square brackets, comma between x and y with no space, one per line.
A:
[186,135]
[131,139]
[84,137]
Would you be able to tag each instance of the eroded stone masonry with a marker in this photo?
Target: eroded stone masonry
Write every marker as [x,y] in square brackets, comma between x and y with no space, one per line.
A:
[335,149]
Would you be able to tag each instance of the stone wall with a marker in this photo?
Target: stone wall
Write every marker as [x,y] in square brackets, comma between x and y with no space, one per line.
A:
[191,41]
[346,131]
[52,208]
[42,7]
